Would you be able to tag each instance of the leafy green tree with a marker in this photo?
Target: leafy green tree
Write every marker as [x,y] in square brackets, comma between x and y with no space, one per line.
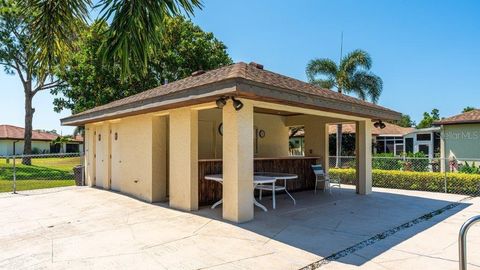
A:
[19,56]
[405,121]
[468,109]
[351,75]
[91,82]
[429,118]
[136,28]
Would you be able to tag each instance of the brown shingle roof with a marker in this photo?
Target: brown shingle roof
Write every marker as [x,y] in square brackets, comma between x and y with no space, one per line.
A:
[239,72]
[390,129]
[464,118]
[17,133]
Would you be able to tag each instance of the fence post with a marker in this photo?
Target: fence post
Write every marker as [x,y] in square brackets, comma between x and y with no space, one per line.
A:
[82,156]
[14,176]
[445,175]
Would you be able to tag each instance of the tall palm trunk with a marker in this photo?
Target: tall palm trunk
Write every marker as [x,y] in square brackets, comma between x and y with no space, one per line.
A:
[27,137]
[338,160]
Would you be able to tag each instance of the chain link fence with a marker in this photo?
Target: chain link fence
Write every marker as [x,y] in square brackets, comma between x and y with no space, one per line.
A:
[454,175]
[29,172]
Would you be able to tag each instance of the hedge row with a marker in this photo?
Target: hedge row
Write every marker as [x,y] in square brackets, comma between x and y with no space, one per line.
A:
[459,183]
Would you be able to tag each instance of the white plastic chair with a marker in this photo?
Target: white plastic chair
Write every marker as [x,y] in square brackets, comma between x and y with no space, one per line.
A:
[322,176]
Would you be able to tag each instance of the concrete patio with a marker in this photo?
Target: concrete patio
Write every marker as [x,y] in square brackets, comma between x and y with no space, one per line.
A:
[91,228]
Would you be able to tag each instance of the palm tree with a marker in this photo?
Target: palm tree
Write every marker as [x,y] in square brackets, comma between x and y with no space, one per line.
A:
[52,26]
[136,27]
[351,75]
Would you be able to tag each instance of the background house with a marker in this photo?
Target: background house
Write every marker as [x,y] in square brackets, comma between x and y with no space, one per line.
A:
[460,136]
[11,142]
[424,140]
[386,140]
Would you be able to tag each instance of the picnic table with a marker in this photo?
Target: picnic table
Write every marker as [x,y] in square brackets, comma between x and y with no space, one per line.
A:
[261,181]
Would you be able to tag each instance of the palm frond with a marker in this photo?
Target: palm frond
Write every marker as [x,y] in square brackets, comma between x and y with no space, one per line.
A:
[321,67]
[355,60]
[366,84]
[54,24]
[137,27]
[326,84]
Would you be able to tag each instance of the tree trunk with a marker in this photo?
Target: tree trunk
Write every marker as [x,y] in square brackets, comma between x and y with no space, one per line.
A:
[27,137]
[338,160]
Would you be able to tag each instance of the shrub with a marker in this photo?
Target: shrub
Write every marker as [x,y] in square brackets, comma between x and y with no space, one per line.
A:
[386,161]
[417,162]
[459,183]
[470,169]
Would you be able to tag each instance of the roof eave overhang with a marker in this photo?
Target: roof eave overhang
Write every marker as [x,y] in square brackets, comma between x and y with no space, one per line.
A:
[187,97]
[456,122]
[238,87]
[254,90]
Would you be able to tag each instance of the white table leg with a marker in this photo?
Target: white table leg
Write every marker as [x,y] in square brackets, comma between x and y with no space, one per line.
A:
[217,204]
[273,194]
[220,201]
[288,193]
[255,202]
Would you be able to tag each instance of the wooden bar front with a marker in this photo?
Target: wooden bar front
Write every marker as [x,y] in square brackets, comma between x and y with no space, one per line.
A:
[211,191]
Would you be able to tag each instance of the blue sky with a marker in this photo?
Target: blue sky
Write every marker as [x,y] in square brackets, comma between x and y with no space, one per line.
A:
[427,52]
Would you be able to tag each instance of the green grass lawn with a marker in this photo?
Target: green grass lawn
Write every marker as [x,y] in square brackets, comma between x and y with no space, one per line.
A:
[43,173]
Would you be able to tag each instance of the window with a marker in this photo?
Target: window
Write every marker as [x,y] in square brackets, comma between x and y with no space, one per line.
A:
[409,145]
[423,148]
[398,149]
[381,146]
[389,144]
[390,147]
[72,148]
[423,137]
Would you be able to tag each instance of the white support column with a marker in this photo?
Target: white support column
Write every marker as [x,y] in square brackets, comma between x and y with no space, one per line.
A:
[238,162]
[184,159]
[363,139]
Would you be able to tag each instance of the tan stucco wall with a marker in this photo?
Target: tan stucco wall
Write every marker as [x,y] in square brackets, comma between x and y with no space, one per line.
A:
[102,167]
[89,155]
[462,141]
[363,141]
[183,159]
[159,150]
[133,156]
[238,163]
[274,144]
[316,139]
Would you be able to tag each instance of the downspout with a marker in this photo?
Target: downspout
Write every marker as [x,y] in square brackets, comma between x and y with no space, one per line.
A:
[14,142]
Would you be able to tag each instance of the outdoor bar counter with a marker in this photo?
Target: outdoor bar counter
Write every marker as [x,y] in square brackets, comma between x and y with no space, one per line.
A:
[211,191]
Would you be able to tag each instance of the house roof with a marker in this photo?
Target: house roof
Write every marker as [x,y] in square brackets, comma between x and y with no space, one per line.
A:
[389,130]
[17,133]
[241,80]
[463,118]
[425,130]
